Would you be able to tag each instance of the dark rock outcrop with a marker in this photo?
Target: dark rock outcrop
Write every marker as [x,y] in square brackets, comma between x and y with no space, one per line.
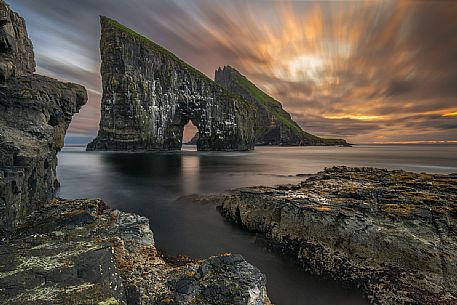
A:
[149,95]
[391,233]
[16,51]
[55,251]
[81,252]
[35,112]
[274,125]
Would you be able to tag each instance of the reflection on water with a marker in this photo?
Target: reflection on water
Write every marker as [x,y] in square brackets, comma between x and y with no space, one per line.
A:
[149,184]
[190,170]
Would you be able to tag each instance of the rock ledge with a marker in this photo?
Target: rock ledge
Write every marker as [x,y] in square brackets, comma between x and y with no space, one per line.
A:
[82,252]
[393,233]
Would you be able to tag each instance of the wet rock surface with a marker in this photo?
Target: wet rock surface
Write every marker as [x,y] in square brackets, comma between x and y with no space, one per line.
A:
[149,95]
[274,125]
[82,252]
[392,233]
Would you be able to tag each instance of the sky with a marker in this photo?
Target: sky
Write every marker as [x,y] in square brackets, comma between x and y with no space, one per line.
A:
[366,71]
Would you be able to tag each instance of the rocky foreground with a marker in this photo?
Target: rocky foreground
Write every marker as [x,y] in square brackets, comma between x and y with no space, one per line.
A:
[392,233]
[82,252]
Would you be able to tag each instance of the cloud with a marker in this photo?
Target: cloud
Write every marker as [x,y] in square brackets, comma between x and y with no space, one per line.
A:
[69,72]
[366,70]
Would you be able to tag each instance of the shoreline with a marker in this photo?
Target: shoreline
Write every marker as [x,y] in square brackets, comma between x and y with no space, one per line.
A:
[340,223]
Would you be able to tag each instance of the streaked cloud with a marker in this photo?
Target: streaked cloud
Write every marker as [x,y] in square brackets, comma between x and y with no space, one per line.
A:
[369,71]
[450,114]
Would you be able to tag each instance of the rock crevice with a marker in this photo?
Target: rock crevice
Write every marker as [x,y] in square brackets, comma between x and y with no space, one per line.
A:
[81,252]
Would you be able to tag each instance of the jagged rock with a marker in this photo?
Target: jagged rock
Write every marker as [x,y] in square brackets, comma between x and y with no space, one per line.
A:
[82,252]
[391,233]
[35,112]
[274,125]
[16,51]
[149,95]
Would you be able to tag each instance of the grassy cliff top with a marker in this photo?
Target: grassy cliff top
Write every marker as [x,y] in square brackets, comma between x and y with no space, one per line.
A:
[275,107]
[106,21]
[268,102]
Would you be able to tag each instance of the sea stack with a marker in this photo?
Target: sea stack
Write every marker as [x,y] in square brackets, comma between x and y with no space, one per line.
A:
[149,94]
[274,125]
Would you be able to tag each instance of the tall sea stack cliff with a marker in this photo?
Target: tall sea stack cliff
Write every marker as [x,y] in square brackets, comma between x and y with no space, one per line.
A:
[149,94]
[274,125]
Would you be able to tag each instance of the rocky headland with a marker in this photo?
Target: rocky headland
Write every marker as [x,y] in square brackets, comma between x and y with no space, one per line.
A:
[392,233]
[274,125]
[35,112]
[149,94]
[56,251]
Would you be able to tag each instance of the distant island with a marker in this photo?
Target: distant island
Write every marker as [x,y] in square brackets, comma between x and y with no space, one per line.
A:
[274,125]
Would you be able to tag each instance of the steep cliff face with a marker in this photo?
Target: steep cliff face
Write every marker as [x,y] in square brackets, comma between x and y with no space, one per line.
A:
[149,95]
[35,112]
[16,52]
[274,126]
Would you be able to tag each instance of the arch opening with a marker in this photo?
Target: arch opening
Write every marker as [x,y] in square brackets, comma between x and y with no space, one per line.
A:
[190,133]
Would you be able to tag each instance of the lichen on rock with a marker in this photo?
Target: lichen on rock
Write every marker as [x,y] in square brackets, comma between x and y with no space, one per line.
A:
[82,252]
[393,233]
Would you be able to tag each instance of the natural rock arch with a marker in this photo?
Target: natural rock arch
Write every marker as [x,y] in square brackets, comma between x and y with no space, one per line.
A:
[149,94]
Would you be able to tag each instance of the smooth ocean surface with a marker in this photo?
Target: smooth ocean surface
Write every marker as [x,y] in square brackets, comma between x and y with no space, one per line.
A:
[150,183]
